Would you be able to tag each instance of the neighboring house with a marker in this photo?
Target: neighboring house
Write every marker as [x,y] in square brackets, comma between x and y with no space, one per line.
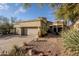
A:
[36,27]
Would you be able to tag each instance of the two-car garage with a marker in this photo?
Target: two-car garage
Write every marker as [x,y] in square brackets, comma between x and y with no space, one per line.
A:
[29,31]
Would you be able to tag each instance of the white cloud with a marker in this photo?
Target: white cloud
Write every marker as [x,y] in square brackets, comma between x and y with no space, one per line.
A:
[4,6]
[20,10]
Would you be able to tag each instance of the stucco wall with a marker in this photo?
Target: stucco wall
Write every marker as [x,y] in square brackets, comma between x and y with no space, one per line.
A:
[18,30]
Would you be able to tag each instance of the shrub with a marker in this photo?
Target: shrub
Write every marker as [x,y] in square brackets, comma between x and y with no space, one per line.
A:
[71,42]
[17,51]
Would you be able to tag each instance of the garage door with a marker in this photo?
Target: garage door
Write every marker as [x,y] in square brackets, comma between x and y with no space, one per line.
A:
[32,31]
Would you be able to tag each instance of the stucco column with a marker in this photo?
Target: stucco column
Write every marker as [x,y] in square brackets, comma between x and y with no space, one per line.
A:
[56,28]
[20,30]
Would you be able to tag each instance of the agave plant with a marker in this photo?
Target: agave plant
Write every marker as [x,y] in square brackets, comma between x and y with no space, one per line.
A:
[71,41]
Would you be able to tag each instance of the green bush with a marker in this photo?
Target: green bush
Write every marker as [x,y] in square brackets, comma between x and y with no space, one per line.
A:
[71,42]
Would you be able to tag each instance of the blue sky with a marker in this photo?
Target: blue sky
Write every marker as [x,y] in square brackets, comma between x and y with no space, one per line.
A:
[16,10]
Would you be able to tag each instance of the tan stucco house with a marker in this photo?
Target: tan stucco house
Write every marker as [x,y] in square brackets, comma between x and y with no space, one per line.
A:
[36,27]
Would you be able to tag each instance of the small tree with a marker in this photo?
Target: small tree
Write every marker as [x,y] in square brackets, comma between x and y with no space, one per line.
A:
[6,24]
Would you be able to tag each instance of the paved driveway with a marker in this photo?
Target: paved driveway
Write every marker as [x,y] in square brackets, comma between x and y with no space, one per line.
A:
[6,43]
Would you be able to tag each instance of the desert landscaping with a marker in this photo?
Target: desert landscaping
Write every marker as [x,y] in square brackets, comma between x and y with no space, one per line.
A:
[7,43]
[26,30]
